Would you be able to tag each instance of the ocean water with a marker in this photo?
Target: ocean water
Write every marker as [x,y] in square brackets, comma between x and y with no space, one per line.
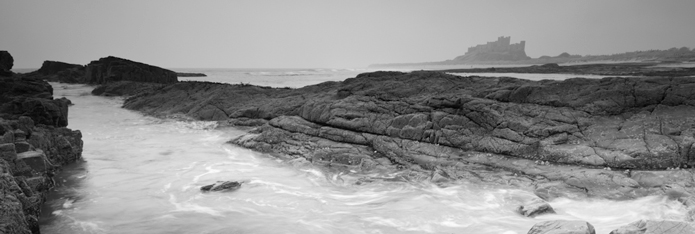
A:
[296,78]
[293,78]
[142,175]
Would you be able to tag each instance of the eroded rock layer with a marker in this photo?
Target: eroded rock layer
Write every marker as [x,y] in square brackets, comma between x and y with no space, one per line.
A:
[554,136]
[34,143]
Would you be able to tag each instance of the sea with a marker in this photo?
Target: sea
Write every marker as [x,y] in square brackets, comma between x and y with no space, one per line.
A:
[142,174]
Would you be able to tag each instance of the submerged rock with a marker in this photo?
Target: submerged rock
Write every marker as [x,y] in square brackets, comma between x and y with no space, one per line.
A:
[535,207]
[656,227]
[222,186]
[562,227]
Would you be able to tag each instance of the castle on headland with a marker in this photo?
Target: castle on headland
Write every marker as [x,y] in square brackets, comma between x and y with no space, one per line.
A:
[496,51]
[501,45]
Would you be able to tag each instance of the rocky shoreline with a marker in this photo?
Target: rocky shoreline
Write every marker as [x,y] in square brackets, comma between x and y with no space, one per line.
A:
[615,138]
[34,144]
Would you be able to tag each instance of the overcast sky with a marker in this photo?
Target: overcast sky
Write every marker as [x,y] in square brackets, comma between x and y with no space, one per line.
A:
[328,33]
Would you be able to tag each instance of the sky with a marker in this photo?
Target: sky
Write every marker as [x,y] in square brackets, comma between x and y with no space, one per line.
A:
[329,33]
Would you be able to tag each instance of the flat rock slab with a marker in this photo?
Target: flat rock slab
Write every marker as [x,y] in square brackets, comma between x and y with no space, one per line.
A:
[221,186]
[34,159]
[656,227]
[22,146]
[562,227]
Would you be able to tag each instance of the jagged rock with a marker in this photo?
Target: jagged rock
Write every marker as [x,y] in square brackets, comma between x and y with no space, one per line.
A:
[562,227]
[656,227]
[535,207]
[112,69]
[6,63]
[31,149]
[32,98]
[124,88]
[219,186]
[22,146]
[36,160]
[494,127]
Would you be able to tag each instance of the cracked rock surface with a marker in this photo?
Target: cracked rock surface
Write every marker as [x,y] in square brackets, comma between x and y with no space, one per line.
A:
[614,137]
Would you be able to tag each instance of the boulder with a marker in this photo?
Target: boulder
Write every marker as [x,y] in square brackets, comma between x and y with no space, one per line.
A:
[6,63]
[535,207]
[222,186]
[656,227]
[111,69]
[562,227]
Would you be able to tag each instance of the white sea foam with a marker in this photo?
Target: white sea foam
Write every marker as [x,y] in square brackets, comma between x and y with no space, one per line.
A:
[191,207]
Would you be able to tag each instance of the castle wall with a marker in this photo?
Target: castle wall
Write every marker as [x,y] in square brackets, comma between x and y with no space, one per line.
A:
[496,50]
[500,46]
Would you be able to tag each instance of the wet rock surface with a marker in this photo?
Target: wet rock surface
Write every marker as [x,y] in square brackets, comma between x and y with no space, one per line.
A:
[221,186]
[32,98]
[34,144]
[124,88]
[611,137]
[535,207]
[656,227]
[562,227]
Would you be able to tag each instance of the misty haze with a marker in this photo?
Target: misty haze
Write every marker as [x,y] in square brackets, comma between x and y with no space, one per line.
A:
[491,117]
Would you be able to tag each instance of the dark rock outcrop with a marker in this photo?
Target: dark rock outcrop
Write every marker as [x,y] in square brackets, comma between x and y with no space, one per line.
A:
[535,207]
[32,98]
[559,138]
[656,227]
[111,69]
[125,88]
[221,186]
[6,63]
[33,144]
[55,71]
[617,69]
[54,67]
[562,227]
[189,74]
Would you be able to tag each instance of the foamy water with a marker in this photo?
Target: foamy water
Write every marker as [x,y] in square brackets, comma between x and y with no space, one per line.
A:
[142,175]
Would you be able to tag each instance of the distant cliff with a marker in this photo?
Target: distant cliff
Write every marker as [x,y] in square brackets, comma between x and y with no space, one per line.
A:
[500,50]
[102,71]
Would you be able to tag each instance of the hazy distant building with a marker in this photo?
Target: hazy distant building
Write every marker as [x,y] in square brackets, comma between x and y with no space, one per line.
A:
[500,50]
